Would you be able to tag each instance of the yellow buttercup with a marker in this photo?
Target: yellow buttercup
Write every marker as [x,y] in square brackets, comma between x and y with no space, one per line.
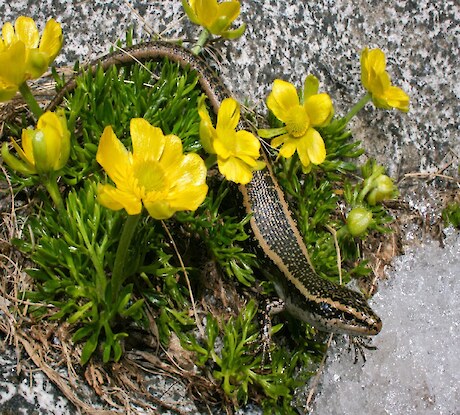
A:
[377,82]
[24,54]
[155,174]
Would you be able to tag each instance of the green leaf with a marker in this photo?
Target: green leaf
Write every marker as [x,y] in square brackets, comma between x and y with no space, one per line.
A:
[134,311]
[90,347]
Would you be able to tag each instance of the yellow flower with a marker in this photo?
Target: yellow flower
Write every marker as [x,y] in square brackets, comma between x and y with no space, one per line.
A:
[44,149]
[298,134]
[376,81]
[23,55]
[237,151]
[215,17]
[156,174]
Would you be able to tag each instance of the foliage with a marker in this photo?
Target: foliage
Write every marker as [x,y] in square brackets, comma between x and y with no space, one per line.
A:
[451,215]
[73,250]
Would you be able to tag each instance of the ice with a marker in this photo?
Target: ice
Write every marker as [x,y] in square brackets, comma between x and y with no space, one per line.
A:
[416,368]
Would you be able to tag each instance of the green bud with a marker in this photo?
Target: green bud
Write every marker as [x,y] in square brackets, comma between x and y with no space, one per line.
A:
[42,161]
[383,188]
[358,220]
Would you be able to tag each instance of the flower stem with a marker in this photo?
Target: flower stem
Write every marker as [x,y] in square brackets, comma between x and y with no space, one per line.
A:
[210,161]
[30,100]
[293,166]
[120,260]
[357,107]
[53,190]
[202,39]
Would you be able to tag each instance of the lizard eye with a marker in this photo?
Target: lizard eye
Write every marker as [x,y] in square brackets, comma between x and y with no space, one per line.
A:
[326,309]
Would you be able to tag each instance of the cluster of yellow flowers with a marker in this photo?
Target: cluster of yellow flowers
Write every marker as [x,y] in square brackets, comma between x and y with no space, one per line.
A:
[157,174]
[24,55]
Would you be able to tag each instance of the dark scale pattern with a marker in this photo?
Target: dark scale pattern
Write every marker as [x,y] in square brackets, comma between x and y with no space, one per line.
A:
[303,290]
[273,223]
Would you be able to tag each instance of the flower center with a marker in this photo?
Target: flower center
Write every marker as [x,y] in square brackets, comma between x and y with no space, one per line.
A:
[150,176]
[297,122]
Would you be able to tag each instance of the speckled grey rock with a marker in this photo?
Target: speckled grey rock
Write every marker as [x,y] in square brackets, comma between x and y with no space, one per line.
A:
[28,392]
[289,39]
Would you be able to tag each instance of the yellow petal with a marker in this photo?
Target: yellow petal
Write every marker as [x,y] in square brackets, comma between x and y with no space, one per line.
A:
[229,9]
[319,108]
[207,131]
[65,139]
[224,146]
[172,151]
[206,11]
[36,64]
[51,41]
[260,165]
[302,151]
[8,34]
[189,171]
[241,143]
[207,136]
[159,209]
[397,98]
[188,199]
[113,156]
[27,32]
[289,147]
[148,141]
[376,60]
[250,161]
[228,115]
[225,14]
[190,12]
[277,141]
[247,144]
[26,152]
[13,65]
[313,144]
[235,170]
[380,84]
[373,64]
[57,136]
[114,199]
[310,86]
[50,125]
[282,99]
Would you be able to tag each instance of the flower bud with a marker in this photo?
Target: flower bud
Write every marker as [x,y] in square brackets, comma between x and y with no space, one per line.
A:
[358,220]
[383,189]
[215,17]
[24,54]
[44,149]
